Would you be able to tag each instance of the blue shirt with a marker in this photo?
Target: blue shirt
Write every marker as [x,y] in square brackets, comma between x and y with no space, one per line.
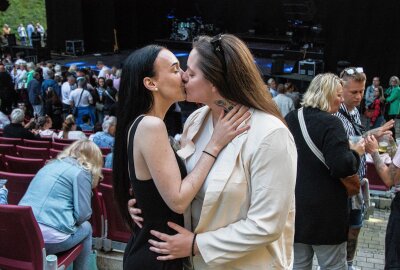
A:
[109,161]
[3,196]
[103,139]
[86,127]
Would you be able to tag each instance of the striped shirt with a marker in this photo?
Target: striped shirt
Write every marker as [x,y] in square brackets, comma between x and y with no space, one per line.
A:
[348,126]
[356,200]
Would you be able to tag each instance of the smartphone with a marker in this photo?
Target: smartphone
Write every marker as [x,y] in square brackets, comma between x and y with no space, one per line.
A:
[227,105]
[2,182]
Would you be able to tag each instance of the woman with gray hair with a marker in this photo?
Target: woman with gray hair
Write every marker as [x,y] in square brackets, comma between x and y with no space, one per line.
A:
[106,138]
[321,199]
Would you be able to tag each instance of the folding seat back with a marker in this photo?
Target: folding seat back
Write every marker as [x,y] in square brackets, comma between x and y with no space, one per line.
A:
[14,141]
[17,184]
[59,146]
[105,150]
[107,174]
[32,152]
[97,219]
[37,143]
[22,245]
[375,182]
[54,152]
[116,228]
[65,141]
[23,165]
[8,149]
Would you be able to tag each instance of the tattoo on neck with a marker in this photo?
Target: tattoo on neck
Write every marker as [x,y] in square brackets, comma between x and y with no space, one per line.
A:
[225,104]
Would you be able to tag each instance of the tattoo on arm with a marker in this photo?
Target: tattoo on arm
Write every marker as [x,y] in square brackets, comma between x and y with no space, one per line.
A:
[384,172]
[379,164]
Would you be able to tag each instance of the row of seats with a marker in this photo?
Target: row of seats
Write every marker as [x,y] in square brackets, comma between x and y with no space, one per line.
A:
[109,231]
[58,144]
[87,133]
[22,245]
[18,183]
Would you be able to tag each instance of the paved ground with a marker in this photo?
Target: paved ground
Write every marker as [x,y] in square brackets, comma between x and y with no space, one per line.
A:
[371,246]
[370,254]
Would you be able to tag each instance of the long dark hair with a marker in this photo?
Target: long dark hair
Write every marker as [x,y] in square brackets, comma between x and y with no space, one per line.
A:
[236,76]
[134,100]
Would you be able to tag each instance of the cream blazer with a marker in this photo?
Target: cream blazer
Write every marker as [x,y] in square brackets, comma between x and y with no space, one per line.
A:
[247,217]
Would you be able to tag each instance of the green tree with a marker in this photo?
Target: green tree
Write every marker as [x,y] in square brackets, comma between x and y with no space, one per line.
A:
[24,11]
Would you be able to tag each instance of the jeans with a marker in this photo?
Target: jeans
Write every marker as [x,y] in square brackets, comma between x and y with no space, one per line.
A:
[332,257]
[82,235]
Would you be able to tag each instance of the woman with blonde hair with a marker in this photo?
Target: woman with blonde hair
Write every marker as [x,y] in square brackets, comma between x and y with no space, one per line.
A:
[321,199]
[60,197]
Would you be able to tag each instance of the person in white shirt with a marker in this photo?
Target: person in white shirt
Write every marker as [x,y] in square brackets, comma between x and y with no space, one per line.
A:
[44,125]
[66,89]
[100,65]
[284,103]
[81,98]
[19,60]
[272,86]
[22,34]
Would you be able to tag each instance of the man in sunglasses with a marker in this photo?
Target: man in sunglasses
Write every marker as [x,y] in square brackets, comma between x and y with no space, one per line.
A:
[353,91]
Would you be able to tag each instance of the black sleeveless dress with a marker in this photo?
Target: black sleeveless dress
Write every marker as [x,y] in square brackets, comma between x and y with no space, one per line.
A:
[155,213]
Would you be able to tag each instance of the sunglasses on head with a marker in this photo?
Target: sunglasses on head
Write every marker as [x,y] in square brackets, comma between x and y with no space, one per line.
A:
[218,50]
[352,71]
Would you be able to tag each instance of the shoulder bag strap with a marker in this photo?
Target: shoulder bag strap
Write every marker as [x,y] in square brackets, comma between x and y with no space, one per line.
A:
[307,138]
[129,144]
[108,94]
[79,101]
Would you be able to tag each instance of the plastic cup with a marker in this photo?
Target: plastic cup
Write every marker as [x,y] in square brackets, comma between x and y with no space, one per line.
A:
[355,139]
[51,262]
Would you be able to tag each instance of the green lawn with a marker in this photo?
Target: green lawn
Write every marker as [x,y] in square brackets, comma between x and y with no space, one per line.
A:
[24,11]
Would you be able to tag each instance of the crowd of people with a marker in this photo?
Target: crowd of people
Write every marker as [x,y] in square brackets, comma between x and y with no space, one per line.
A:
[33,35]
[264,177]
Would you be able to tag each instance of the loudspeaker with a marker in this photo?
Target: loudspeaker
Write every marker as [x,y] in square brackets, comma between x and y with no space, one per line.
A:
[11,40]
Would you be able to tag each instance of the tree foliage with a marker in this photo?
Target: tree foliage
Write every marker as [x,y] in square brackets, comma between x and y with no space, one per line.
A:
[24,11]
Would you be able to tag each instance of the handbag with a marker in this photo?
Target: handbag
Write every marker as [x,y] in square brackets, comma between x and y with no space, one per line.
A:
[99,106]
[352,182]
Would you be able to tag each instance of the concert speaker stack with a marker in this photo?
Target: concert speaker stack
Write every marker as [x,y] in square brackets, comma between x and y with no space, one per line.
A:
[11,40]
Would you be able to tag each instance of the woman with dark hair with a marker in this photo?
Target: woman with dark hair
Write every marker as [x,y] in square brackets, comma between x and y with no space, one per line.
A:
[151,82]
[374,112]
[98,99]
[53,108]
[109,96]
[243,216]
